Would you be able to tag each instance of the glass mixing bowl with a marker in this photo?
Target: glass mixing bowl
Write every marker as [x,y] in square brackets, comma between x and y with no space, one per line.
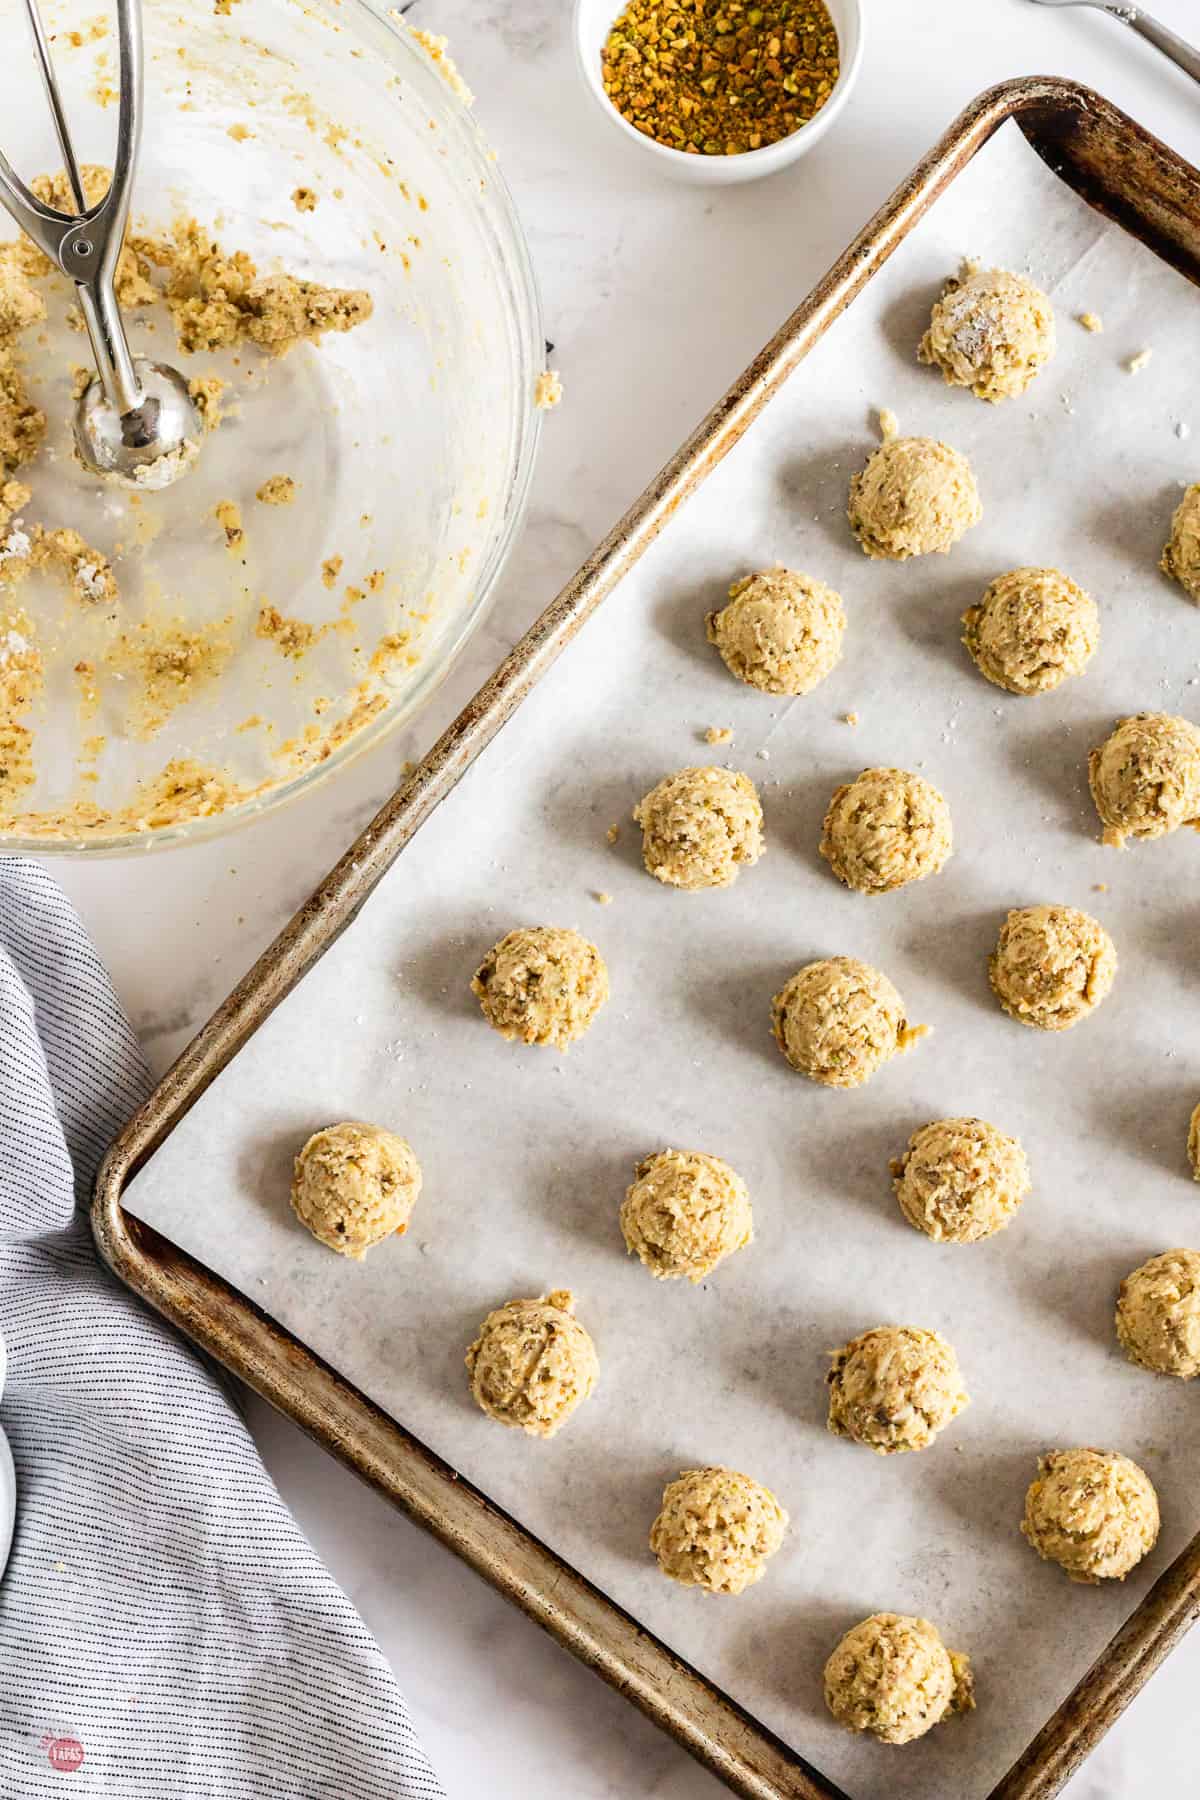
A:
[230,675]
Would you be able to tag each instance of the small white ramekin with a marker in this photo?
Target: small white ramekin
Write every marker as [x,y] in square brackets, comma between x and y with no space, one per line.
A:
[594,20]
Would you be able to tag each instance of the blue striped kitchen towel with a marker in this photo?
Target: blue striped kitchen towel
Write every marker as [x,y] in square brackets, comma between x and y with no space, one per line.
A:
[166,1633]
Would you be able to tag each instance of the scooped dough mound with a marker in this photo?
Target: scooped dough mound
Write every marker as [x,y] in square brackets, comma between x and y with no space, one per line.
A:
[353,1185]
[1032,630]
[893,1676]
[885,829]
[533,1363]
[1158,1314]
[894,1388]
[991,333]
[685,1213]
[839,1020]
[1181,557]
[717,1530]
[699,826]
[1052,966]
[1194,1143]
[781,631]
[541,985]
[915,495]
[1093,1512]
[960,1180]
[1145,777]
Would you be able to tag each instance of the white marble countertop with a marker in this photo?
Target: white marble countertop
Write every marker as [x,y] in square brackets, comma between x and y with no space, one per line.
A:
[655,296]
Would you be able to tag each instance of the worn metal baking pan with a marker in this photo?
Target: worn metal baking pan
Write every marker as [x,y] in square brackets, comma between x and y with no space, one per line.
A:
[1126,174]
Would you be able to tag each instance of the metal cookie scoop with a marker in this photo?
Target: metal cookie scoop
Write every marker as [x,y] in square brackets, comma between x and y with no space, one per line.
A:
[135,420]
[1185,55]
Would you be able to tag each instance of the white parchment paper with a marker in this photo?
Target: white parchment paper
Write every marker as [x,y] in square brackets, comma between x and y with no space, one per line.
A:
[526,1154]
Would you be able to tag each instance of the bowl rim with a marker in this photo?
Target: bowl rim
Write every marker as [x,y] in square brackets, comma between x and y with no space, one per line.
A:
[750,164]
[528,344]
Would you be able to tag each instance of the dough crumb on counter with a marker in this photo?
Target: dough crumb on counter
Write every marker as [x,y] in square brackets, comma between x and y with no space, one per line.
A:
[850,718]
[547,390]
[889,424]
[229,517]
[613,833]
[1091,321]
[239,133]
[1137,363]
[277,490]
[304,199]
[331,568]
[601,898]
[718,734]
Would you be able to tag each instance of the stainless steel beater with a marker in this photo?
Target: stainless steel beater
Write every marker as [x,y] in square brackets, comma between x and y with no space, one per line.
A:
[135,420]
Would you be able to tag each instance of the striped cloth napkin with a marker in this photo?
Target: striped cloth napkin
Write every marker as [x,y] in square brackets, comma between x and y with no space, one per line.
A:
[166,1633]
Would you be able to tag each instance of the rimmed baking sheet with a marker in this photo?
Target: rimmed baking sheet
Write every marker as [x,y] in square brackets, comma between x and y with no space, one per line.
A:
[526,1155]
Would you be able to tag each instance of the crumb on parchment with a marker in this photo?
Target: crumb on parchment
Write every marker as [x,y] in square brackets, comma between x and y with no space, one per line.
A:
[1137,363]
[1091,321]
[239,133]
[331,568]
[601,898]
[889,424]
[547,390]
[718,734]
[850,718]
[277,490]
[304,199]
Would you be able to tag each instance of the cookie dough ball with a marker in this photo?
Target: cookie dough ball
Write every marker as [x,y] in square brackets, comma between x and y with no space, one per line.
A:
[915,495]
[1181,557]
[1052,966]
[1158,1314]
[541,985]
[717,1530]
[893,1676]
[685,1213]
[533,1363]
[353,1185]
[960,1180]
[839,1020]
[894,1388]
[1032,630]
[781,631]
[885,829]
[990,332]
[1093,1512]
[699,827]
[1145,777]
[1194,1143]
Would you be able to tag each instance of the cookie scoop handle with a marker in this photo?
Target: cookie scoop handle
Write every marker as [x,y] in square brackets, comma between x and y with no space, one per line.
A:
[85,245]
